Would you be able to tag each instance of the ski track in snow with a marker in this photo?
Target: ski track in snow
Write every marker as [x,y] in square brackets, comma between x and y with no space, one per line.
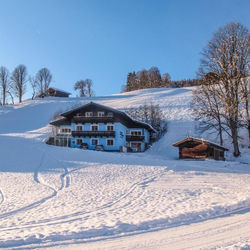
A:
[65,182]
[2,197]
[110,207]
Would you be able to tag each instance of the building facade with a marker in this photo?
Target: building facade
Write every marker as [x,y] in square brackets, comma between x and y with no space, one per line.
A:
[96,126]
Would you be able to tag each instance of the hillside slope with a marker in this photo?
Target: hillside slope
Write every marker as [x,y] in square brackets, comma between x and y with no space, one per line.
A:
[52,196]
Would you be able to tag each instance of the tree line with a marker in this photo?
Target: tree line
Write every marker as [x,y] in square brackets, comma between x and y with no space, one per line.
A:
[221,102]
[16,83]
[152,78]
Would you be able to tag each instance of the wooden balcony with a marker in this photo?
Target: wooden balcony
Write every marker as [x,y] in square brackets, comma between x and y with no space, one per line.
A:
[94,133]
[93,119]
[135,137]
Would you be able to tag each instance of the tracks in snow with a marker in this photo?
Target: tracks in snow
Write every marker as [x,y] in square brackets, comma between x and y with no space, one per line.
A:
[1,197]
[110,207]
[65,182]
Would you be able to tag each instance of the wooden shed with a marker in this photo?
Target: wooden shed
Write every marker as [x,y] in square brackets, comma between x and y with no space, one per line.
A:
[57,92]
[195,148]
[54,92]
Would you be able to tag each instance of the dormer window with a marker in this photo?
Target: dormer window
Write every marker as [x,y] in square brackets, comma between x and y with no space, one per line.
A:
[100,114]
[89,114]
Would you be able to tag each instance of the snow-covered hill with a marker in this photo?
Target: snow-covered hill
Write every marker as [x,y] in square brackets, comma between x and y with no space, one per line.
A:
[53,196]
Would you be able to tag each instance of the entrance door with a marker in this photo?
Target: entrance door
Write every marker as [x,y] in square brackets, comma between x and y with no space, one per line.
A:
[136,146]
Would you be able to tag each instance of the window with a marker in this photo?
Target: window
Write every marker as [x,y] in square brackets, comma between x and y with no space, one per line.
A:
[110,114]
[94,127]
[135,133]
[66,130]
[94,141]
[100,114]
[78,141]
[110,127]
[78,128]
[89,114]
[110,142]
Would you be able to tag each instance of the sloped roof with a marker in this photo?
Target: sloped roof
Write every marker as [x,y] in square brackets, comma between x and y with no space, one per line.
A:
[122,115]
[190,139]
[60,121]
[60,90]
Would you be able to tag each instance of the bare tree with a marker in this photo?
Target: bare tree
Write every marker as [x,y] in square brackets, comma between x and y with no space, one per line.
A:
[4,83]
[206,106]
[89,86]
[19,80]
[166,80]
[80,85]
[226,61]
[34,85]
[151,114]
[154,76]
[245,97]
[43,80]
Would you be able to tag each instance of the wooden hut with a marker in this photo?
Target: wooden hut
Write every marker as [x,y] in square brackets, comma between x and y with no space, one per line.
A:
[195,148]
[57,92]
[54,92]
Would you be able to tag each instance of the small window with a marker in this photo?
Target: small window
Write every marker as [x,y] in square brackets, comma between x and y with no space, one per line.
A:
[100,114]
[110,142]
[94,128]
[136,133]
[110,114]
[78,128]
[110,127]
[94,141]
[89,114]
[78,141]
[66,130]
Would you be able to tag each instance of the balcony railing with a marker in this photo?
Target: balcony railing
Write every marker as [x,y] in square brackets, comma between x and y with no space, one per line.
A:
[93,133]
[135,137]
[94,119]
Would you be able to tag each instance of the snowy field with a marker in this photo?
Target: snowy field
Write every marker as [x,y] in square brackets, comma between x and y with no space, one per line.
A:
[64,198]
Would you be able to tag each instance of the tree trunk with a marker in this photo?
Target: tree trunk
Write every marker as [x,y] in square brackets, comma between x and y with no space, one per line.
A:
[20,97]
[4,96]
[235,141]
[248,126]
[220,130]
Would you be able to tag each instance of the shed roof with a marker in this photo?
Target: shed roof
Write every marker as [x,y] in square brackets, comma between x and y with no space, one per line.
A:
[192,139]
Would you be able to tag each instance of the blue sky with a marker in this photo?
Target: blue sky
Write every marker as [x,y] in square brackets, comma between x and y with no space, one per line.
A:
[105,39]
